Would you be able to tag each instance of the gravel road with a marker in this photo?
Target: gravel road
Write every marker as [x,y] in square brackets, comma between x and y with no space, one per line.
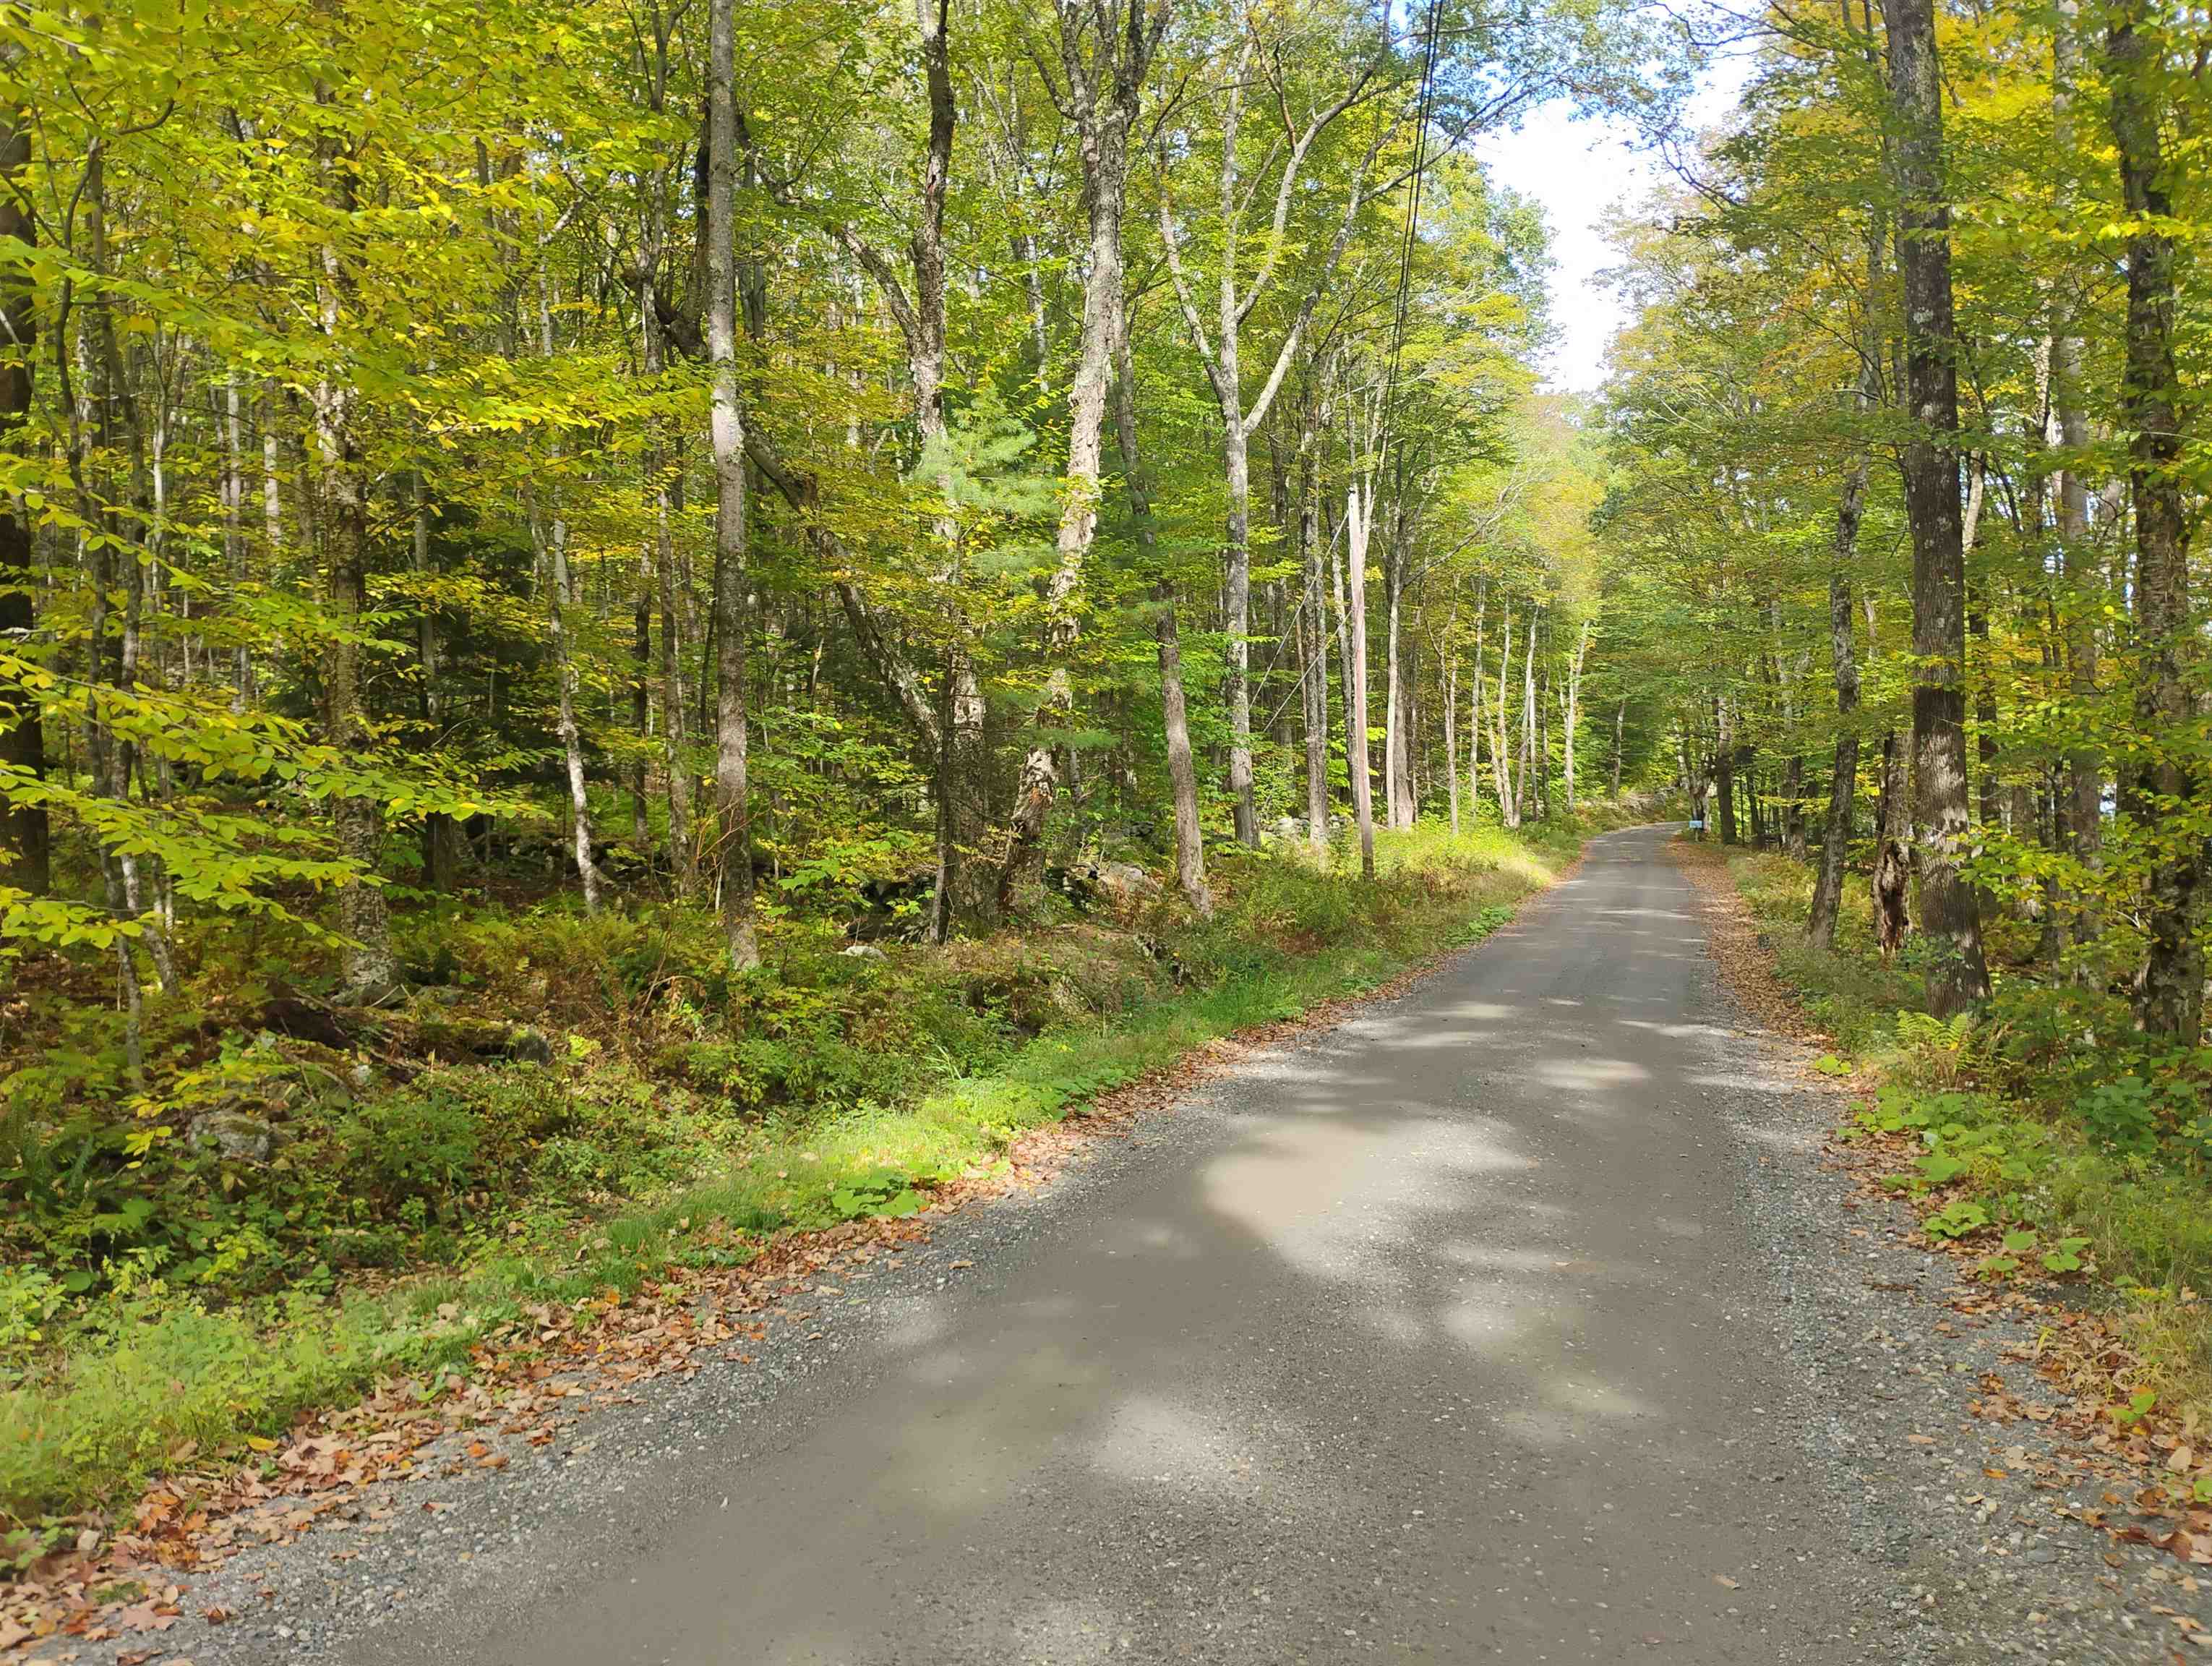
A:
[1515,1319]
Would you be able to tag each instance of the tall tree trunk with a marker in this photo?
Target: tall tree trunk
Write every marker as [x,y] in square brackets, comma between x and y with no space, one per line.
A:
[1574,708]
[1449,680]
[439,836]
[2083,801]
[1501,747]
[551,535]
[1949,917]
[1475,719]
[2169,992]
[1525,791]
[663,479]
[371,970]
[234,529]
[1843,784]
[683,847]
[26,862]
[727,429]
[1851,511]
[1313,636]
[1238,622]
[1182,768]
[640,702]
[1105,88]
[1892,866]
[1394,787]
[1724,767]
[1620,719]
[1359,515]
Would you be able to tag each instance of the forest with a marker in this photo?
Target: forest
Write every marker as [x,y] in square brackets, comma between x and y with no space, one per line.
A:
[637,596]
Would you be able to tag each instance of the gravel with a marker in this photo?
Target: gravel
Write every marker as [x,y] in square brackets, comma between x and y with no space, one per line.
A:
[1870,1487]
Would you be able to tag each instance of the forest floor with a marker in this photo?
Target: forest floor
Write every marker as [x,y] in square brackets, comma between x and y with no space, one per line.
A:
[1529,1310]
[2058,1526]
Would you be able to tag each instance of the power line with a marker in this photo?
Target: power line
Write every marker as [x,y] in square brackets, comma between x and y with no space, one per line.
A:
[1424,102]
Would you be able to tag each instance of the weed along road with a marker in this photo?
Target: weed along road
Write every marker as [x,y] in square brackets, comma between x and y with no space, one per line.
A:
[1450,1333]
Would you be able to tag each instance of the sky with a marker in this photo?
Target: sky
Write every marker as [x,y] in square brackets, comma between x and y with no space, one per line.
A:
[1580,170]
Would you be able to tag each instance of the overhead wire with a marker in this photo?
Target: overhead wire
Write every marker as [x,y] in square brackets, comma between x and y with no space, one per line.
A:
[1423,104]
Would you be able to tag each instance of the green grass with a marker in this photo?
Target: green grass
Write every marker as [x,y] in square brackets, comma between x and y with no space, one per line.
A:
[2021,1098]
[154,1374]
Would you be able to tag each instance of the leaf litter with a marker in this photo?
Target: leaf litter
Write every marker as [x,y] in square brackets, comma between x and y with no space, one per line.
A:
[2151,1473]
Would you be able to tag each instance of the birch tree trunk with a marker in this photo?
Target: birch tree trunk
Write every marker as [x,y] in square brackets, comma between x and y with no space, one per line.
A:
[1313,636]
[1358,513]
[727,430]
[1475,711]
[1573,713]
[551,537]
[1619,717]
[1220,352]
[1524,787]
[1501,752]
[1105,88]
[2082,802]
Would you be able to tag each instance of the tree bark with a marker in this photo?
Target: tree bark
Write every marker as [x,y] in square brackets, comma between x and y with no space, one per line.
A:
[1313,637]
[1359,511]
[26,862]
[371,972]
[1574,708]
[1448,678]
[2169,993]
[1843,784]
[726,429]
[440,835]
[2082,805]
[1525,791]
[1724,768]
[550,533]
[1891,866]
[1223,362]
[1395,813]
[1949,916]
[1105,88]
[1501,749]
[1183,767]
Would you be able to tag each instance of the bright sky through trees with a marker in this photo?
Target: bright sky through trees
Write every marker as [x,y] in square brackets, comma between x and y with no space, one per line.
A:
[1583,169]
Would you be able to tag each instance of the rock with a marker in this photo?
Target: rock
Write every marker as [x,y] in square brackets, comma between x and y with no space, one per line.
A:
[528,1046]
[234,1135]
[863,952]
[1126,885]
[464,1039]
